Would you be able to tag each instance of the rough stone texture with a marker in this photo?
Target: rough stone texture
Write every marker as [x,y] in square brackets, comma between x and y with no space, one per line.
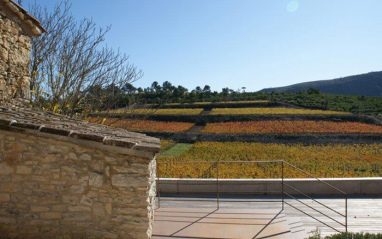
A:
[15,51]
[55,189]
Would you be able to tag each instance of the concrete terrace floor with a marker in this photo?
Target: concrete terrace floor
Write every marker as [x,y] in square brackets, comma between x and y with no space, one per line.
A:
[364,215]
[219,223]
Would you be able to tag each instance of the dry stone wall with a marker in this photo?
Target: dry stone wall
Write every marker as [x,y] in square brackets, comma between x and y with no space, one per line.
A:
[51,188]
[15,51]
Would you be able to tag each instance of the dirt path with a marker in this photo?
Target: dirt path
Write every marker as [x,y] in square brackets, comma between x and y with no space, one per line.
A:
[196,129]
[206,112]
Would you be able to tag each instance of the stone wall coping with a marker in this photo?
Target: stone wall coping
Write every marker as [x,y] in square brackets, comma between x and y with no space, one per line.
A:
[47,124]
[25,17]
[309,186]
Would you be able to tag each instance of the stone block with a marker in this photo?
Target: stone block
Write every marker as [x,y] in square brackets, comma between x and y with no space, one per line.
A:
[10,187]
[108,208]
[140,212]
[7,220]
[96,180]
[6,178]
[4,197]
[6,169]
[29,216]
[85,157]
[39,209]
[10,138]
[111,160]
[70,199]
[77,189]
[3,84]
[51,165]
[71,168]
[135,168]
[109,235]
[28,230]
[60,208]
[61,187]
[73,156]
[4,54]
[39,178]
[107,171]
[105,199]
[46,186]
[97,166]
[12,157]
[76,216]
[16,147]
[79,209]
[86,200]
[84,180]
[99,210]
[58,182]
[50,215]
[43,223]
[127,180]
[23,170]
[37,170]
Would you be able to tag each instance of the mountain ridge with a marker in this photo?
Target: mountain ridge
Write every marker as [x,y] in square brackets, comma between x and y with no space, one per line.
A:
[368,84]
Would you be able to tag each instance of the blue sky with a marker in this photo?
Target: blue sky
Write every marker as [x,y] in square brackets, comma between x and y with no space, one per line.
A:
[240,43]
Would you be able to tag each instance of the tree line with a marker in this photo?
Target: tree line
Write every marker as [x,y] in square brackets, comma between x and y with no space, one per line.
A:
[128,96]
[157,94]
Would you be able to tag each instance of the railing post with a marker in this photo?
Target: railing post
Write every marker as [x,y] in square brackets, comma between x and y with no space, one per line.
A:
[217,184]
[346,213]
[282,184]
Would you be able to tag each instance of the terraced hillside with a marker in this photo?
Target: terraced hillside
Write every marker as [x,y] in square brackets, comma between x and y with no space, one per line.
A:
[325,143]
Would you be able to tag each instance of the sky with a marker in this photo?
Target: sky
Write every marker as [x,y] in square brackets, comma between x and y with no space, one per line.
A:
[240,43]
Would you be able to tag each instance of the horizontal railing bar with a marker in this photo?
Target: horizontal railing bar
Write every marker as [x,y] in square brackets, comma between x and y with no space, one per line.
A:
[314,209]
[311,175]
[214,200]
[313,199]
[226,192]
[229,200]
[222,162]
[188,200]
[214,183]
[313,217]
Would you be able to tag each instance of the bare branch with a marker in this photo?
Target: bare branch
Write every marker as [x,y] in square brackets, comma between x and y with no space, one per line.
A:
[71,60]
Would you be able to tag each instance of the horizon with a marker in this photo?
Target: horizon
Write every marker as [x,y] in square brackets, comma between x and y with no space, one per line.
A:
[235,44]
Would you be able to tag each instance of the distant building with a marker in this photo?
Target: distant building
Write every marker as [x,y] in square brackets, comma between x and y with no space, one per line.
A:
[17,27]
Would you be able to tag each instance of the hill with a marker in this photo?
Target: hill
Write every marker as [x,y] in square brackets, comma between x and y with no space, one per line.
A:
[369,84]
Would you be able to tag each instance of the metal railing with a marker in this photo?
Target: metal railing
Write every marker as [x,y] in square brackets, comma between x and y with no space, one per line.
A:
[215,171]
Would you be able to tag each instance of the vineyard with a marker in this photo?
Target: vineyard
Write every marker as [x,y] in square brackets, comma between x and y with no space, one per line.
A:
[143,125]
[273,111]
[225,102]
[290,127]
[148,111]
[340,145]
[334,160]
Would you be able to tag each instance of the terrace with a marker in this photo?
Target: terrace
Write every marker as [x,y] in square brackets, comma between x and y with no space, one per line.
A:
[187,219]
[212,207]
